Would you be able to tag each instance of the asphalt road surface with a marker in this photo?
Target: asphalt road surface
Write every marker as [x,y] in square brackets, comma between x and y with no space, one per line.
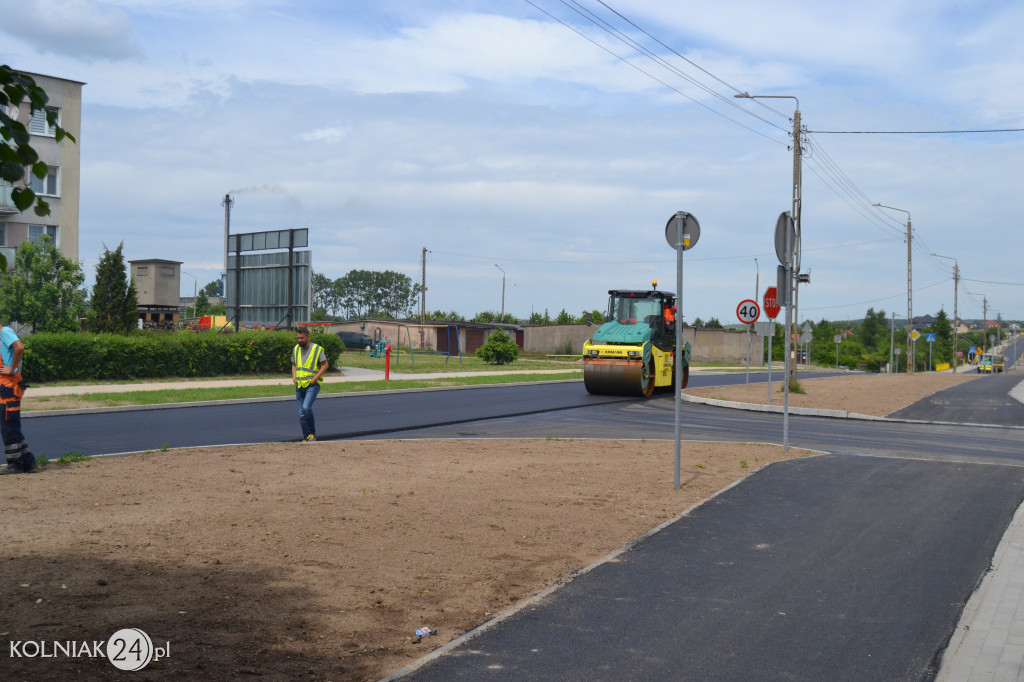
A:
[337,416]
[829,568]
[837,567]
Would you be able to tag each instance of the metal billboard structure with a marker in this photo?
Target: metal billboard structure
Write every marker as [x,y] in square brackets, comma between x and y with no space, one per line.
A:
[269,289]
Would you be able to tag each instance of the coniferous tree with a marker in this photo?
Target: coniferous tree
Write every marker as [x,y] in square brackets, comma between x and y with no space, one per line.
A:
[114,304]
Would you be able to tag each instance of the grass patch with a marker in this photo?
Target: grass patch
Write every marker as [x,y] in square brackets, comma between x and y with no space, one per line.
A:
[286,388]
[69,457]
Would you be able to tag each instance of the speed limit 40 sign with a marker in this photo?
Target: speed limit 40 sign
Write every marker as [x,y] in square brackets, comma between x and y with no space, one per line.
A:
[748,311]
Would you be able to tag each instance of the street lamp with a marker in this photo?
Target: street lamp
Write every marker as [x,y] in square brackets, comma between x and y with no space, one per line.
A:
[757,291]
[910,291]
[502,318]
[796,213]
[195,291]
[956,321]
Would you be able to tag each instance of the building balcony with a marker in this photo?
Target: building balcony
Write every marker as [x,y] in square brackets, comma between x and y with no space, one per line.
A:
[7,206]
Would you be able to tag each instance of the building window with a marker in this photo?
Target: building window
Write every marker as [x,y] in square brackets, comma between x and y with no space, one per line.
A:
[142,271]
[167,270]
[38,125]
[47,186]
[3,234]
[36,232]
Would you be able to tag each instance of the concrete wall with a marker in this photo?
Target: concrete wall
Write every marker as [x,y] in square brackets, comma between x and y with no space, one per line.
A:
[709,345]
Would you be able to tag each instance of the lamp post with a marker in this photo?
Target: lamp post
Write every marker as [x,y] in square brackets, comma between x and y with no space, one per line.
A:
[502,318]
[956,322]
[195,291]
[757,291]
[796,213]
[910,291]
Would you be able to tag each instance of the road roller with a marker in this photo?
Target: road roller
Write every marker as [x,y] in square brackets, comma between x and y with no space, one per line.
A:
[633,352]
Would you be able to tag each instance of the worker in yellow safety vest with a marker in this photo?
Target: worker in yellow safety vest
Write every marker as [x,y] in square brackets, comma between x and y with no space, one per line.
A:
[309,362]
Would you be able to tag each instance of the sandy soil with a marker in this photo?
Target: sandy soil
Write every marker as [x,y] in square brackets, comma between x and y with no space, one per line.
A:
[319,561]
[871,394]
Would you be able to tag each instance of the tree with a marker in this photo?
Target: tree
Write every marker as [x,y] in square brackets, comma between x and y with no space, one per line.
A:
[499,349]
[371,294]
[43,288]
[712,323]
[203,306]
[486,316]
[16,152]
[943,350]
[322,286]
[698,323]
[113,306]
[563,318]
[871,330]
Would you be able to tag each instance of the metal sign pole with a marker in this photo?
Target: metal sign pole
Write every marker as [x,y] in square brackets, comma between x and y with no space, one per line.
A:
[770,359]
[681,232]
[676,366]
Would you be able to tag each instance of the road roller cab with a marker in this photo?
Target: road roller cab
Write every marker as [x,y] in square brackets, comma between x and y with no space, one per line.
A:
[632,353]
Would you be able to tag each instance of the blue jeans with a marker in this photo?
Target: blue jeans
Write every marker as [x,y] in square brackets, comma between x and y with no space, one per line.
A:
[305,397]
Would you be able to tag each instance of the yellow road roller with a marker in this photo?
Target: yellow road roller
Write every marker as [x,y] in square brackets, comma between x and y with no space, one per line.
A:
[633,352]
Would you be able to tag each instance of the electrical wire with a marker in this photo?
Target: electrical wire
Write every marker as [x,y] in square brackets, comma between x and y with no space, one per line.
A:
[876,300]
[915,132]
[650,54]
[689,61]
[650,75]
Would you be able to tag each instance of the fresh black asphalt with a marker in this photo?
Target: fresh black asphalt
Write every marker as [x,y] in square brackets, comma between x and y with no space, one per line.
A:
[985,400]
[833,567]
[337,416]
[827,568]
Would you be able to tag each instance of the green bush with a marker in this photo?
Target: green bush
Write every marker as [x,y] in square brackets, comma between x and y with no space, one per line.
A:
[499,349]
[150,355]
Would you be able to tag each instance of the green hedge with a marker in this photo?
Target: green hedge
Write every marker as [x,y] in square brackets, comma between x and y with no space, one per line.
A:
[148,355]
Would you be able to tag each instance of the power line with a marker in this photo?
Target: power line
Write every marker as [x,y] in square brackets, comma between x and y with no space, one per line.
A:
[914,132]
[687,60]
[876,300]
[985,281]
[650,75]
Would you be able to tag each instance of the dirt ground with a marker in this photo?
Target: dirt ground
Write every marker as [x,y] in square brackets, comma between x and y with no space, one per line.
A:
[871,394]
[319,561]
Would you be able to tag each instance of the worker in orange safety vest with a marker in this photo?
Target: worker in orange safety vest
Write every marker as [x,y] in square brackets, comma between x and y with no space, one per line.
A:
[12,388]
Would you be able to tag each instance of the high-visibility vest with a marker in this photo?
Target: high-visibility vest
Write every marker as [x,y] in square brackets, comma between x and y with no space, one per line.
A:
[305,371]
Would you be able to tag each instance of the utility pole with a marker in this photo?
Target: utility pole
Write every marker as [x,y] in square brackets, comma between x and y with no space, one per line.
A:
[910,291]
[423,294]
[984,322]
[892,340]
[910,302]
[797,213]
[501,320]
[227,204]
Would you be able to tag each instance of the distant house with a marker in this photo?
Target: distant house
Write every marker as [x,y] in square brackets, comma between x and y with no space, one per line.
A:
[923,322]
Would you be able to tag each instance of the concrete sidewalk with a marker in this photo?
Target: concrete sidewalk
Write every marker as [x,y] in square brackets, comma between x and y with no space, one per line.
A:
[988,643]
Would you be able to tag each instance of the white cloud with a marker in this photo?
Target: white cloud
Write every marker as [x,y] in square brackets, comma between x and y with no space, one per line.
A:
[330,135]
[78,28]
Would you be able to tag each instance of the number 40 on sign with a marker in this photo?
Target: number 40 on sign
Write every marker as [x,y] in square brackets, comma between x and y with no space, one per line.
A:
[748,311]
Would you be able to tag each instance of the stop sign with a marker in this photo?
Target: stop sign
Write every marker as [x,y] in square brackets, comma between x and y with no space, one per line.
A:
[771,306]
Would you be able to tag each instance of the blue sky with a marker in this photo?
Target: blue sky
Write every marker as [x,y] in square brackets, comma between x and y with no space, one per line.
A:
[492,134]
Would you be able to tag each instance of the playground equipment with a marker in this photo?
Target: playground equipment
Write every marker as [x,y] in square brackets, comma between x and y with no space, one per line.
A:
[379,347]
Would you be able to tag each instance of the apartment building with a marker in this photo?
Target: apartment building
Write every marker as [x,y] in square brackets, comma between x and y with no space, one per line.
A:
[60,187]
